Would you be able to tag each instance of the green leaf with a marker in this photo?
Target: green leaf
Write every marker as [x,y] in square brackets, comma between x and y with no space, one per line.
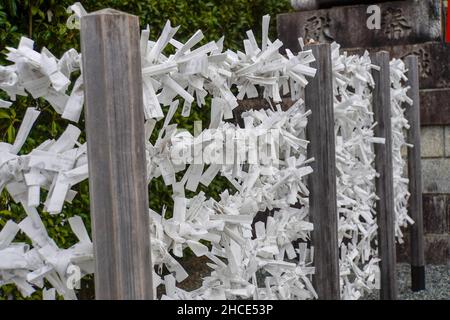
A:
[11,132]
[4,114]
[5,213]
[12,7]
[34,10]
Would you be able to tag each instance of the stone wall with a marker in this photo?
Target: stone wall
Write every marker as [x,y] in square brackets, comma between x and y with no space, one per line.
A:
[436,159]
[402,22]
[436,226]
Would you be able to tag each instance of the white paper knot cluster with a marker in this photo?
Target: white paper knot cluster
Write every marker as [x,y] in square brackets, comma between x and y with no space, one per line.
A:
[27,267]
[54,166]
[43,75]
[399,124]
[237,257]
[356,173]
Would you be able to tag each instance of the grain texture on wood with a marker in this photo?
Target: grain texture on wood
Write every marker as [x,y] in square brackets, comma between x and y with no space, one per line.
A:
[322,182]
[384,183]
[116,152]
[412,114]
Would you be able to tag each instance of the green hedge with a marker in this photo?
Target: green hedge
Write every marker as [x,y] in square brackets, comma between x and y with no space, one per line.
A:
[45,22]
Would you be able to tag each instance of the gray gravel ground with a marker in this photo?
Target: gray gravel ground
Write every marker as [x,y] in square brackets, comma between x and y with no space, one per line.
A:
[437,284]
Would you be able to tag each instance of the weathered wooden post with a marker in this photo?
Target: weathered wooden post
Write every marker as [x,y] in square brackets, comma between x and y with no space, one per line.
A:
[384,183]
[322,182]
[116,151]
[415,177]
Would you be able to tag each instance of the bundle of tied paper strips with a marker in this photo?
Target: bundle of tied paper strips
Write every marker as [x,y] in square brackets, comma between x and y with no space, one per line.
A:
[268,168]
[354,124]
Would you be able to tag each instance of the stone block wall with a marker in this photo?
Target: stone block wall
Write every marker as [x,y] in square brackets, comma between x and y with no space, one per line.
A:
[436,159]
[402,22]
[436,225]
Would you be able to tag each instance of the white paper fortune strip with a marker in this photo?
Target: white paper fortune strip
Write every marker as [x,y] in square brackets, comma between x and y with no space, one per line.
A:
[354,123]
[399,101]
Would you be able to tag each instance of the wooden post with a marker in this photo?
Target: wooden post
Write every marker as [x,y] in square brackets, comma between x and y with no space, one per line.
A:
[415,177]
[116,153]
[322,182]
[384,183]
